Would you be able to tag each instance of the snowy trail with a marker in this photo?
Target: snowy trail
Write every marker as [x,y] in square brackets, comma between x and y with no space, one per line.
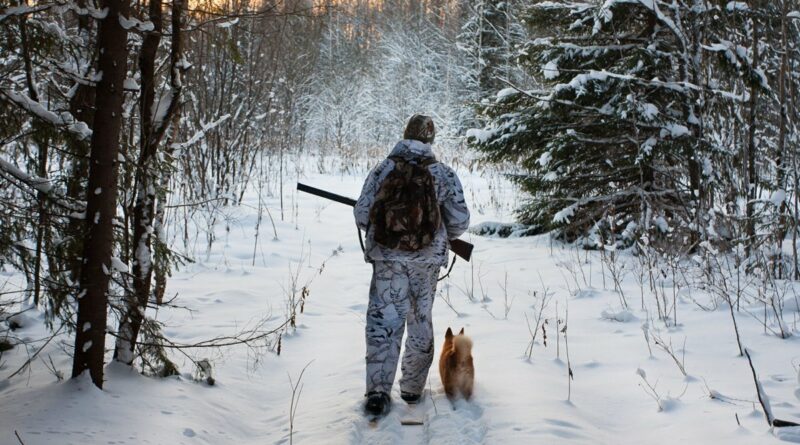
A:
[517,400]
[444,423]
[458,423]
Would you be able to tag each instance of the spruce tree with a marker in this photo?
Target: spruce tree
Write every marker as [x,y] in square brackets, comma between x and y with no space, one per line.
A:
[615,140]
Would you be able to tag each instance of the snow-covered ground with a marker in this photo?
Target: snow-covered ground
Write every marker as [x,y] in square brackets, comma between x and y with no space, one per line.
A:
[517,400]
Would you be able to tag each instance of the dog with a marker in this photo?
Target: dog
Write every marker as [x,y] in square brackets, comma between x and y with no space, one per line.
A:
[455,365]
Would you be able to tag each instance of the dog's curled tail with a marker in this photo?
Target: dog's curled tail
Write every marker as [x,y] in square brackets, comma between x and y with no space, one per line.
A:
[462,345]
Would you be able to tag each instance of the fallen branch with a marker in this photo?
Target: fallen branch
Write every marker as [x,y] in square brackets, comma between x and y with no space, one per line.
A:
[764,400]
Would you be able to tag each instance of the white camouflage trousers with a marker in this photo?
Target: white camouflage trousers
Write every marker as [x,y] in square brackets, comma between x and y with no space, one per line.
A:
[401,295]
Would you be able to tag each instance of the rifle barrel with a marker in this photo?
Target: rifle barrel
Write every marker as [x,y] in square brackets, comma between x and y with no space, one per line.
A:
[327,195]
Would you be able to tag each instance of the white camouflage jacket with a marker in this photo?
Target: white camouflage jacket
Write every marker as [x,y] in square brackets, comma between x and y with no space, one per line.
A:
[455,214]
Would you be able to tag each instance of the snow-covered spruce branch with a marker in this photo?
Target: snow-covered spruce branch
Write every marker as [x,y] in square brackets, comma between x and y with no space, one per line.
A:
[653,6]
[85,10]
[585,76]
[227,19]
[677,86]
[63,120]
[568,214]
[23,10]
[42,185]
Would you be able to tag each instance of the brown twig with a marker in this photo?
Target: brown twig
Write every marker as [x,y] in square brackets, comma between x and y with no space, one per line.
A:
[762,398]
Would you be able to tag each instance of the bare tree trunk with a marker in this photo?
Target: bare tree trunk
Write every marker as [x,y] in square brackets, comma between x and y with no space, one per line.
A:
[153,128]
[782,223]
[101,199]
[81,106]
[44,220]
[750,159]
[41,165]
[796,192]
[136,298]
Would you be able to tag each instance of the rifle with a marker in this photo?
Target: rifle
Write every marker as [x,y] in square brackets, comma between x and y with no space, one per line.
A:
[459,247]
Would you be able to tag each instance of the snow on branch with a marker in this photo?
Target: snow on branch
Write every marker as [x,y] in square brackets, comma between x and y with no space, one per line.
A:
[579,81]
[562,5]
[135,24]
[737,56]
[63,120]
[568,212]
[16,11]
[42,185]
[606,15]
[200,133]
[162,108]
[737,6]
[86,11]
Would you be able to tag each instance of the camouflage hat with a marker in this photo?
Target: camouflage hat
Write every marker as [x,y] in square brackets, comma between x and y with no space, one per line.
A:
[420,128]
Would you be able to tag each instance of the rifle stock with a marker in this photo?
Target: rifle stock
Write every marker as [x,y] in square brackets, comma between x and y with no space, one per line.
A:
[459,247]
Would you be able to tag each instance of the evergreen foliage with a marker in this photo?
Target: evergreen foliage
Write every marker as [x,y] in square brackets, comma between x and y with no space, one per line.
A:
[490,39]
[639,124]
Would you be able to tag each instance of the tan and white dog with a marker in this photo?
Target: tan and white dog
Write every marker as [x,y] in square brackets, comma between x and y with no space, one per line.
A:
[455,365]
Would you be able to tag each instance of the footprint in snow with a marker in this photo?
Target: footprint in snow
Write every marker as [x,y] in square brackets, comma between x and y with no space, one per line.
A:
[442,424]
[462,425]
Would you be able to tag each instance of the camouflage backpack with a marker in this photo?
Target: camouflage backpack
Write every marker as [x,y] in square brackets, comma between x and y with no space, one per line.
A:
[406,214]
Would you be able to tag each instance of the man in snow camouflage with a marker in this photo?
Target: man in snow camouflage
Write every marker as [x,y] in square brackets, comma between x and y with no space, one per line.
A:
[410,207]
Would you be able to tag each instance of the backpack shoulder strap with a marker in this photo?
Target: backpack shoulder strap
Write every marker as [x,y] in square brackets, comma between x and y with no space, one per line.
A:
[424,162]
[428,161]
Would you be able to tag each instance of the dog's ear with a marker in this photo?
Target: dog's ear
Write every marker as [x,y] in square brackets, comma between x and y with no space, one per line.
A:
[461,332]
[449,333]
